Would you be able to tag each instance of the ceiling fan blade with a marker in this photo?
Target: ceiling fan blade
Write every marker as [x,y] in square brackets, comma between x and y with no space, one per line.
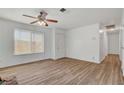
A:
[30,16]
[34,22]
[51,20]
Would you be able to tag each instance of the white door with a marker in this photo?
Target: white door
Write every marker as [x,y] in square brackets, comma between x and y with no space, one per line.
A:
[60,45]
[113,42]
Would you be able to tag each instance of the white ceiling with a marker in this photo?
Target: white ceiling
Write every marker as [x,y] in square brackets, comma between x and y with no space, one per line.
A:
[72,18]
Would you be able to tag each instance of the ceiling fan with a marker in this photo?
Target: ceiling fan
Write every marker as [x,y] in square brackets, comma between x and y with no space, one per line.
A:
[41,19]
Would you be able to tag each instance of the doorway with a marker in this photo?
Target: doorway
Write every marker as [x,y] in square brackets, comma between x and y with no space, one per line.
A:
[113,42]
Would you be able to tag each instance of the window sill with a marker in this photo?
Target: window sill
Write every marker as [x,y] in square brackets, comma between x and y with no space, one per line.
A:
[16,54]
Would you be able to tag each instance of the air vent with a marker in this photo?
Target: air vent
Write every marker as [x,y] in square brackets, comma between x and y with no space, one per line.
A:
[62,10]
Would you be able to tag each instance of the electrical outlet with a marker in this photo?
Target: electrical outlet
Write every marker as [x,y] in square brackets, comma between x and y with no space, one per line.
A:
[0,60]
[93,58]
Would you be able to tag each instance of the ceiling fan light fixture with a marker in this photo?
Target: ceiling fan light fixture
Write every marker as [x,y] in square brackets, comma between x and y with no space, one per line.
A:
[41,23]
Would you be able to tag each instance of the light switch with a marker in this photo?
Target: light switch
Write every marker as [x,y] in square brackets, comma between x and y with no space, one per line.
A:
[93,38]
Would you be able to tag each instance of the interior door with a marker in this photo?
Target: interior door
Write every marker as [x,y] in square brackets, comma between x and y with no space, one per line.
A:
[60,45]
[113,42]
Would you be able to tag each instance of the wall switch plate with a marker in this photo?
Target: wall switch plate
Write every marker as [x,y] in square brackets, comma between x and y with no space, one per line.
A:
[93,38]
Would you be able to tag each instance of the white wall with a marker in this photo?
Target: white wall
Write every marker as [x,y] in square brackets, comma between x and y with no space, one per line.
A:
[7,57]
[113,42]
[83,43]
[103,45]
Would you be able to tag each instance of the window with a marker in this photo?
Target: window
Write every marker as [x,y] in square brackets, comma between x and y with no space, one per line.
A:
[37,42]
[27,42]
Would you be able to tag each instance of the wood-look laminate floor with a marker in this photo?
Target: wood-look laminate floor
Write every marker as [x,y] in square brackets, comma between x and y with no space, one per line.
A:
[67,72]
